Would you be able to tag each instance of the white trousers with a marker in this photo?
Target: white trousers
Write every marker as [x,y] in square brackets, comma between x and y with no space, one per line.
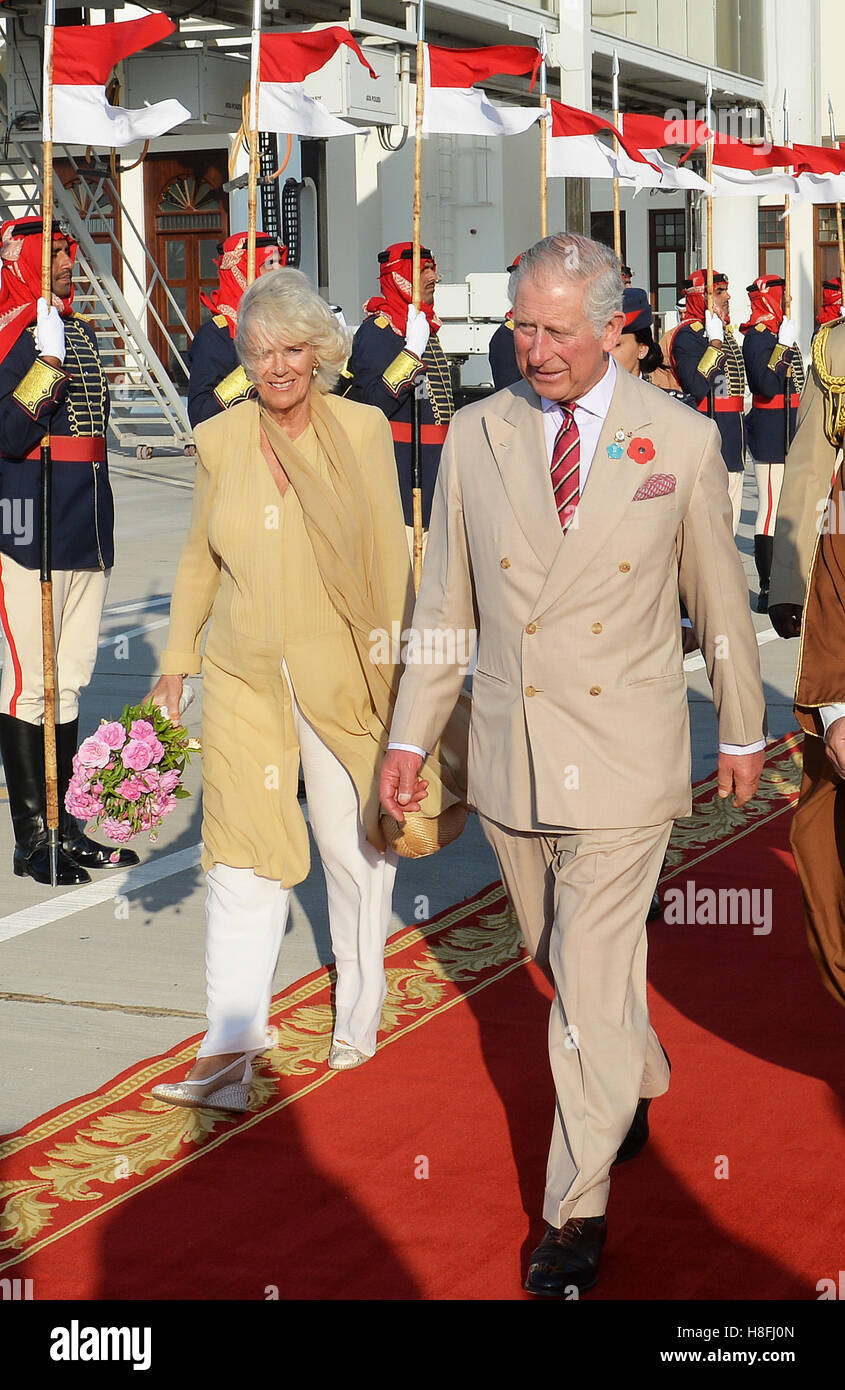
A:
[78,598]
[246,917]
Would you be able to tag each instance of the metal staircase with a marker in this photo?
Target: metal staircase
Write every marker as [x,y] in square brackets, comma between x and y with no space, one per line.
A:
[147,411]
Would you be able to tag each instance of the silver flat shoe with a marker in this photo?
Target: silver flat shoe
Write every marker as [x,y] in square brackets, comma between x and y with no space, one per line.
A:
[197,1095]
[343,1057]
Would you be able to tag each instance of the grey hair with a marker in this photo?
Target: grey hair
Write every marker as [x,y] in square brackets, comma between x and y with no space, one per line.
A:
[282,306]
[568,256]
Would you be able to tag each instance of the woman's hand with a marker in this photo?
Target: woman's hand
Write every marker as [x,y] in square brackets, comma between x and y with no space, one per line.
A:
[166,694]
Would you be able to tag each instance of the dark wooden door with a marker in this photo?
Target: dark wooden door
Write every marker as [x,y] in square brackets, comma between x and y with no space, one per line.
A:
[187,215]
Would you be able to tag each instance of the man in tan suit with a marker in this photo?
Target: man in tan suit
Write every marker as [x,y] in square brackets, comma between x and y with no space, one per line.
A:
[579,742]
[808,579]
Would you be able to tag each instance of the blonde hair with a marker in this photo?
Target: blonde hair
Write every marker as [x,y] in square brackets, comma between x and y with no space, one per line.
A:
[282,305]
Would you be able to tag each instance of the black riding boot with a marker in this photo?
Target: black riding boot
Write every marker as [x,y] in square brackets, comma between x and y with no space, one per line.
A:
[84,852]
[22,751]
[763,547]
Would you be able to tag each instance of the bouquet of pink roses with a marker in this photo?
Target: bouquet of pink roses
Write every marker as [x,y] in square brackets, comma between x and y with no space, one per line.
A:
[127,775]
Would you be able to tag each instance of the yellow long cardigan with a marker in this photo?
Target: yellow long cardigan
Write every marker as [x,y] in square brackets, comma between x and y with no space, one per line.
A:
[248,565]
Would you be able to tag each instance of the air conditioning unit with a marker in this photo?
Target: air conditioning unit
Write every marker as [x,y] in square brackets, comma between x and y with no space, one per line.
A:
[346,89]
[209,82]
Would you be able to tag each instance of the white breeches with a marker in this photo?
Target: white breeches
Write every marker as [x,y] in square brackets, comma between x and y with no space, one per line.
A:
[769,483]
[78,598]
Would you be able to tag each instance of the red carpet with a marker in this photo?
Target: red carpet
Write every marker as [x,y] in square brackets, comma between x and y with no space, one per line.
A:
[420,1175]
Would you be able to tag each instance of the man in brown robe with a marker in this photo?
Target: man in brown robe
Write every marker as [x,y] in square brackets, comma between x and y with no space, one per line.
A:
[808,578]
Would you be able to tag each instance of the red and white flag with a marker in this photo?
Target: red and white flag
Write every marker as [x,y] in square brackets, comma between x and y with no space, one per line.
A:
[575,150]
[650,134]
[743,170]
[83,58]
[453,106]
[819,174]
[286,60]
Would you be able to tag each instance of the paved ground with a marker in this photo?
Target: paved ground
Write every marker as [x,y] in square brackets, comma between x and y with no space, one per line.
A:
[96,978]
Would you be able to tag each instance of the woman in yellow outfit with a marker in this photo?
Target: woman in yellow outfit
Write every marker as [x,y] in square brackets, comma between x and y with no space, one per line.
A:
[297,553]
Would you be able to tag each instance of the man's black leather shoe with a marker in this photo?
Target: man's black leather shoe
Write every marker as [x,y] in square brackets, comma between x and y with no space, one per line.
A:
[567,1257]
[637,1136]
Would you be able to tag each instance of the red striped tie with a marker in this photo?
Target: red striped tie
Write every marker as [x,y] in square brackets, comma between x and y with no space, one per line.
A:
[566,469]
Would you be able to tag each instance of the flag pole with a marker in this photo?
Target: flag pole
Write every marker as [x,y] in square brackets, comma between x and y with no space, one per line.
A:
[617,216]
[544,136]
[787,284]
[708,118]
[255,51]
[416,443]
[787,239]
[839,235]
[48,645]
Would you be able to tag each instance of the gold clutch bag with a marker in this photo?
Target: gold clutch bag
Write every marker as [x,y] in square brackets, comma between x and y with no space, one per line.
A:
[420,835]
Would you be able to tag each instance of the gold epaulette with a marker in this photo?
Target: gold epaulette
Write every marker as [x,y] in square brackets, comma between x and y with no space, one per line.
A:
[760,327]
[509,324]
[778,354]
[696,326]
[402,371]
[220,320]
[234,388]
[84,318]
[40,384]
[711,360]
[381,321]
[832,386]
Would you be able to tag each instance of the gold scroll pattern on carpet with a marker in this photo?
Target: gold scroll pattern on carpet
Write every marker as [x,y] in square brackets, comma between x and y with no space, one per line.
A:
[132,1144]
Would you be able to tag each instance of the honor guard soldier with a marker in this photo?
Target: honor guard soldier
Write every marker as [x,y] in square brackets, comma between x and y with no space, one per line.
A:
[771,359]
[393,350]
[831,308]
[501,350]
[707,361]
[217,378]
[51,382]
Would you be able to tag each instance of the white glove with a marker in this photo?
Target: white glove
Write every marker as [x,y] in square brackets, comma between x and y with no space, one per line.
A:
[49,332]
[713,327]
[787,333]
[417,332]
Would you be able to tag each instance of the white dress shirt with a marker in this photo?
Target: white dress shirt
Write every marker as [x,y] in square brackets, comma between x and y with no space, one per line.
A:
[590,413]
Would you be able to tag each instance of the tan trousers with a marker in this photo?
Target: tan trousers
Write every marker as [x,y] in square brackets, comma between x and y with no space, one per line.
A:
[581,898]
[78,599]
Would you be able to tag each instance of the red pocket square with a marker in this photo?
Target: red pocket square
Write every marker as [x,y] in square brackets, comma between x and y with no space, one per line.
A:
[656,486]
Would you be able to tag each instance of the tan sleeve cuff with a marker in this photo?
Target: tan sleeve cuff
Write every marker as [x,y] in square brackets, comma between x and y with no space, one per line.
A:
[180,663]
[234,388]
[403,371]
[40,384]
[710,361]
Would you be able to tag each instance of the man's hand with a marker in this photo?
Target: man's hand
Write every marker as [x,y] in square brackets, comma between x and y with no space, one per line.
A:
[417,332]
[49,334]
[740,773]
[714,329]
[834,745]
[786,618]
[400,787]
[787,333]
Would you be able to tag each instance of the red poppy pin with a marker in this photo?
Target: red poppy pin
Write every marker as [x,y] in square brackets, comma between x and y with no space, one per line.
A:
[641,450]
